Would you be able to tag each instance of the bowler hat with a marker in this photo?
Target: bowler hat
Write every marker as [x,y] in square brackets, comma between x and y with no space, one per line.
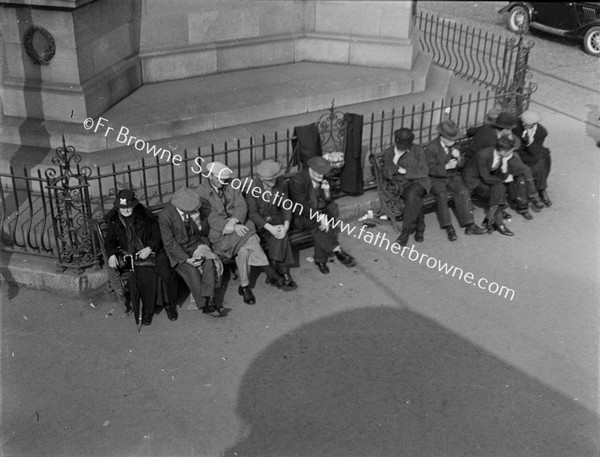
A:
[186,199]
[268,169]
[319,164]
[530,117]
[220,170]
[505,121]
[404,137]
[448,129]
[125,199]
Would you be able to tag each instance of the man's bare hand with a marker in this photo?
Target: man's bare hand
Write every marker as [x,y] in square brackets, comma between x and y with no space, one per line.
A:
[241,230]
[194,262]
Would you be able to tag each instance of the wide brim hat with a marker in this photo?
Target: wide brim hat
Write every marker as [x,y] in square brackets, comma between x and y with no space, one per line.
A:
[320,165]
[186,199]
[530,117]
[125,199]
[404,137]
[505,121]
[220,170]
[448,129]
[268,169]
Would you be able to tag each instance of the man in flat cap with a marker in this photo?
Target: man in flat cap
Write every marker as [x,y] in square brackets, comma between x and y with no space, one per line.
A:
[444,161]
[312,194]
[533,152]
[405,164]
[231,233]
[189,249]
[271,219]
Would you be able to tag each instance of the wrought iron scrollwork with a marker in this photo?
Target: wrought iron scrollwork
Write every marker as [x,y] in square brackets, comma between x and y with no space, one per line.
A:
[71,209]
[520,88]
[332,130]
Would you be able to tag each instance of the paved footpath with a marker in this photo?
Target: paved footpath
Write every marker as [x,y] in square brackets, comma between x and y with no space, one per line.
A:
[389,358]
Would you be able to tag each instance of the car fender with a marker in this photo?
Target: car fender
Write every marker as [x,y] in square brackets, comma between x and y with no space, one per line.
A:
[525,5]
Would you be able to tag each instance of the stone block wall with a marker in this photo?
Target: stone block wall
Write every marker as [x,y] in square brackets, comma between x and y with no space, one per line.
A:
[190,38]
[95,65]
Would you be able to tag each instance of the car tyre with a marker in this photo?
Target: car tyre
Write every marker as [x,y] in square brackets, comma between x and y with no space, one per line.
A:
[517,18]
[591,41]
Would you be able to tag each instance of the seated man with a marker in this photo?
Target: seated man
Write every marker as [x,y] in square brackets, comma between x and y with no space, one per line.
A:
[271,219]
[183,240]
[533,152]
[231,234]
[487,175]
[314,210]
[406,165]
[443,161]
[485,135]
[522,190]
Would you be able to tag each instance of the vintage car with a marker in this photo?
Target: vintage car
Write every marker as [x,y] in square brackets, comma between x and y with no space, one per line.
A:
[579,20]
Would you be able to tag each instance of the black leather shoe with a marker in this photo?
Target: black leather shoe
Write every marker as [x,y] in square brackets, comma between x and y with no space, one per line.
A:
[345,259]
[506,215]
[247,294]
[419,236]
[403,238]
[451,233]
[323,268]
[209,306]
[276,281]
[147,319]
[172,313]
[474,229]
[545,198]
[525,213]
[536,202]
[289,281]
[503,229]
[487,225]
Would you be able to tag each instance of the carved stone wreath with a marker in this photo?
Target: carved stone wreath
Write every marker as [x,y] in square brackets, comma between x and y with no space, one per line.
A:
[39,44]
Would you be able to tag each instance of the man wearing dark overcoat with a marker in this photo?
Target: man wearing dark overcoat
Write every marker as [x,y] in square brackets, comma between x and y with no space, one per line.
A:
[183,237]
[533,152]
[487,175]
[522,189]
[444,161]
[405,164]
[311,194]
[272,220]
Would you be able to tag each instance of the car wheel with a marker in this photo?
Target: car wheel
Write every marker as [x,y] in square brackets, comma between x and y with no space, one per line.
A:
[517,18]
[591,41]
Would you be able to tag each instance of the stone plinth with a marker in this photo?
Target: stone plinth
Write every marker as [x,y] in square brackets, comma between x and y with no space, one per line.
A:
[95,62]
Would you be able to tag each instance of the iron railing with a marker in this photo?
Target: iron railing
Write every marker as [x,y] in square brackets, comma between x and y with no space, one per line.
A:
[27,204]
[470,53]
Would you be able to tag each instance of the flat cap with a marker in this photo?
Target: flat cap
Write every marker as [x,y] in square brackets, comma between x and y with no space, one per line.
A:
[319,164]
[186,199]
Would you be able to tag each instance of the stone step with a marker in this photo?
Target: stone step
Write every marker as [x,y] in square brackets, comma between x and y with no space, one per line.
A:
[176,108]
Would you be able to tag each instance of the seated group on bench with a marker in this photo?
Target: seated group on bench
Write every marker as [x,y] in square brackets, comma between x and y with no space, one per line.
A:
[505,163]
[200,227]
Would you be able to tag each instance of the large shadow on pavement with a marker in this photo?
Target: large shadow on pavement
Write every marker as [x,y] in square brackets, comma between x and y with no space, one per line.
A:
[389,382]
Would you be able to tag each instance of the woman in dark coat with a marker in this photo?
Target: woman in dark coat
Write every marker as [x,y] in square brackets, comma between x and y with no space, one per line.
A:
[134,230]
[271,220]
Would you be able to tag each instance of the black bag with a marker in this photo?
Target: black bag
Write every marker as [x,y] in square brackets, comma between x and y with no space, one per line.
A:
[149,261]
